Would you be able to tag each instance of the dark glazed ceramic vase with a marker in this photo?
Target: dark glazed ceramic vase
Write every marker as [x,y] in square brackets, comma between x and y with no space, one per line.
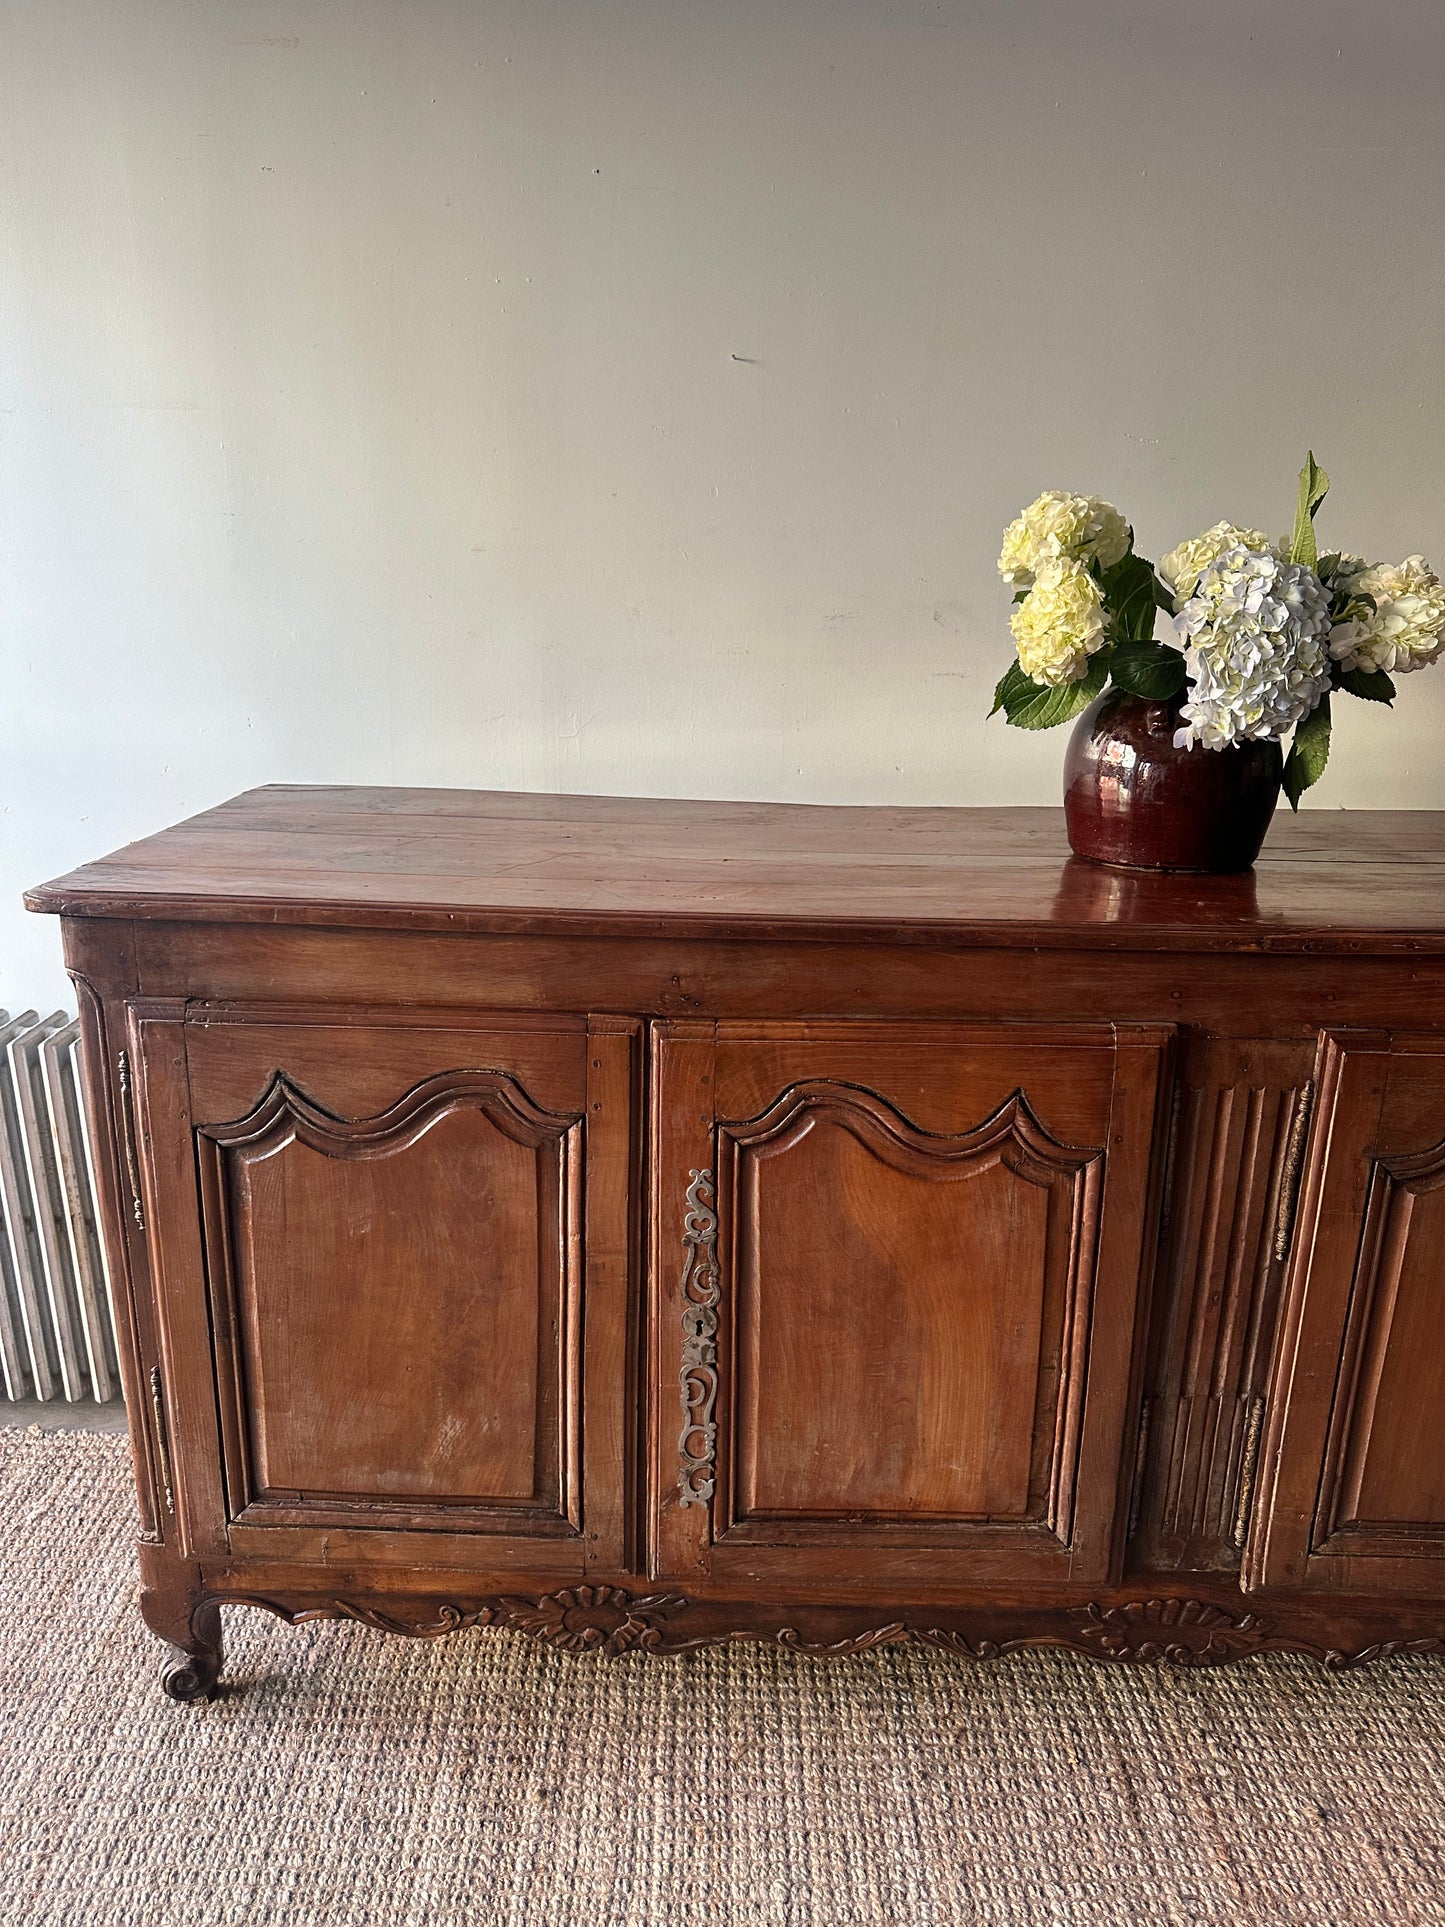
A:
[1132,799]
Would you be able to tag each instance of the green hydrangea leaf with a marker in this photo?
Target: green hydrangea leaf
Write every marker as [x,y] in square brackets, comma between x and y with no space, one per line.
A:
[1373,685]
[1034,705]
[1149,669]
[1129,597]
[1305,764]
[1005,686]
[1314,485]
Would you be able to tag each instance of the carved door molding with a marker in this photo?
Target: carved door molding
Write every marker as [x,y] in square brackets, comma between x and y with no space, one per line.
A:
[1011,1141]
[386,1232]
[1353,1494]
[853,1396]
[230,1155]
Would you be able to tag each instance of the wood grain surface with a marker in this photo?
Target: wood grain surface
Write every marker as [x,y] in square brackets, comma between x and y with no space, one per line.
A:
[493,861]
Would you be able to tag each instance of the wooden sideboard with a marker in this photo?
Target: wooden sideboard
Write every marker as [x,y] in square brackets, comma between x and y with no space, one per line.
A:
[644,1223]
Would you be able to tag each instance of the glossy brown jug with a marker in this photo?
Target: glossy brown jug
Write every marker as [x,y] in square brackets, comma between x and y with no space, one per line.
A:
[1132,799]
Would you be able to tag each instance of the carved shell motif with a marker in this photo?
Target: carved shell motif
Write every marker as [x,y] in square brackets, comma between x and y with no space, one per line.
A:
[591,1619]
[1187,1632]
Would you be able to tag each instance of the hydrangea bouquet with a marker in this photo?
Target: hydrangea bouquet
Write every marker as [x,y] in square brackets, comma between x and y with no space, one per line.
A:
[1261,631]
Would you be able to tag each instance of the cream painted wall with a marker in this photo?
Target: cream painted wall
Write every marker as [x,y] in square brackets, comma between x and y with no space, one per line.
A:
[629,394]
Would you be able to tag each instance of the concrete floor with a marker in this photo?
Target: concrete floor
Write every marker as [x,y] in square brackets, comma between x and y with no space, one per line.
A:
[59,1415]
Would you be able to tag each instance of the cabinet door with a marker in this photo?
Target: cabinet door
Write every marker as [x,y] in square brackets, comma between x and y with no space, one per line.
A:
[897,1277]
[1352,1487]
[374,1323]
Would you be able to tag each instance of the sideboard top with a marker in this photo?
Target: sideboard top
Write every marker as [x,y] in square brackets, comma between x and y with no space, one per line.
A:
[476,860]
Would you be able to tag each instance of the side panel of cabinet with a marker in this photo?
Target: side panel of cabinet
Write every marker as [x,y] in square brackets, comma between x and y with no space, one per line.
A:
[901,1339]
[402,1218]
[102,967]
[1353,1498]
[161,1175]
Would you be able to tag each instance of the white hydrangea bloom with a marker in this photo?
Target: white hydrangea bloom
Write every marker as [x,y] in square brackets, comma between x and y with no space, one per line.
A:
[1406,628]
[1060,623]
[1062,528]
[1182,567]
[1255,636]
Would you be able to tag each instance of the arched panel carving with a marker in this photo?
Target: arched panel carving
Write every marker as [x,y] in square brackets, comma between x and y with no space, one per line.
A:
[396,1302]
[907,1317]
[1012,1134]
[284,1111]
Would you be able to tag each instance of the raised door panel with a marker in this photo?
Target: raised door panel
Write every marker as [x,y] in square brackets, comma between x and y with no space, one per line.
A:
[403,1219]
[403,1292]
[954,1393]
[903,1337]
[1354,1497]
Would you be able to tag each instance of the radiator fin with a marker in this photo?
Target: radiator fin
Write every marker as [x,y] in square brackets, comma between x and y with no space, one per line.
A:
[57,1332]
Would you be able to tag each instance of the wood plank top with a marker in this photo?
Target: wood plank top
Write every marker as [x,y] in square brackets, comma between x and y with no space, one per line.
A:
[476,860]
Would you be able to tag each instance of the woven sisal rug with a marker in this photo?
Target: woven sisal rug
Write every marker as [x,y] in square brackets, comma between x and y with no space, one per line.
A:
[351,1778]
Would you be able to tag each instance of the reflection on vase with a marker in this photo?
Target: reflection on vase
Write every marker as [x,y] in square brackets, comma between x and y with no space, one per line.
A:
[1133,799]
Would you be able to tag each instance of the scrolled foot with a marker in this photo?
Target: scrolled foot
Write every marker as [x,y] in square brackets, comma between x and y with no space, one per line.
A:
[190,1676]
[190,1672]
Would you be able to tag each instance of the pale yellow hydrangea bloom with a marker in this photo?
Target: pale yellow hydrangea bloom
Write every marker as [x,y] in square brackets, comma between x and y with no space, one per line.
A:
[1182,567]
[1060,623]
[1062,528]
[1406,628]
